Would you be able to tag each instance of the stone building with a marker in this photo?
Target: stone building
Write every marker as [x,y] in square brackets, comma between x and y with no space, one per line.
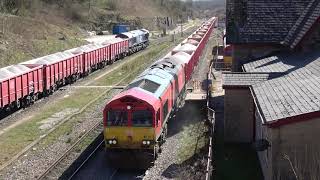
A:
[273,95]
[257,28]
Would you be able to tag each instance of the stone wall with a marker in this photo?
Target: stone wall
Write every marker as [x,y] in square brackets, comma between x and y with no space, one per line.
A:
[312,40]
[293,145]
[246,53]
[298,144]
[265,157]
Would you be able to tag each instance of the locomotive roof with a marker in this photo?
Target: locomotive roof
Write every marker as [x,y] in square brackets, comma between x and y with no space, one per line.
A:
[152,81]
[140,94]
[133,33]
[171,64]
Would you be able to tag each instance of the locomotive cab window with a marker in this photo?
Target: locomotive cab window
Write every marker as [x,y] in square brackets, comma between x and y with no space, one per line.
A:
[165,110]
[142,118]
[158,118]
[117,118]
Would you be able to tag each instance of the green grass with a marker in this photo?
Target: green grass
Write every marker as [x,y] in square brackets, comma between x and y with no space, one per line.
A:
[236,161]
[38,48]
[68,126]
[193,140]
[53,45]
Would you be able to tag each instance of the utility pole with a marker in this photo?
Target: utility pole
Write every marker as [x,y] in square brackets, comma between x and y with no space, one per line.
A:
[181,28]
[89,12]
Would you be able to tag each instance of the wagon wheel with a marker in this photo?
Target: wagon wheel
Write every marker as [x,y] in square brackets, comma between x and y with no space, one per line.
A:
[28,101]
[33,98]
[155,151]
[164,134]
[18,104]
[25,102]
[52,90]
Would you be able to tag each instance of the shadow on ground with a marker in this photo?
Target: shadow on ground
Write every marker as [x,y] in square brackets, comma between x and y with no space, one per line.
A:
[192,168]
[232,161]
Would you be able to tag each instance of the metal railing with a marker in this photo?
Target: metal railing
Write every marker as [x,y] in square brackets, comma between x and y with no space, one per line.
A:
[211,124]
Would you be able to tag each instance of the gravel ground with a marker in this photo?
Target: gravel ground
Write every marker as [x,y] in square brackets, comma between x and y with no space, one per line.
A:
[170,163]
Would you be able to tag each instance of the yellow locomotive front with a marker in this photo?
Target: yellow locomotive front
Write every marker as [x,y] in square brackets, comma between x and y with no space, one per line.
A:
[129,127]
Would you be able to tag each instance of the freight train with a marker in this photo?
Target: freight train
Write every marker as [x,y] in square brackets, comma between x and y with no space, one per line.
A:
[22,84]
[136,119]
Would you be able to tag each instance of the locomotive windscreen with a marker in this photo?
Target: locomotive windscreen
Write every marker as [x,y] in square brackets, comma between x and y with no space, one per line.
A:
[117,118]
[142,118]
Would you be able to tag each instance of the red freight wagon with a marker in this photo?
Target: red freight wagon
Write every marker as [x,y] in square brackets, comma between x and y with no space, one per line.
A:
[94,55]
[119,48]
[186,59]
[59,68]
[189,49]
[20,85]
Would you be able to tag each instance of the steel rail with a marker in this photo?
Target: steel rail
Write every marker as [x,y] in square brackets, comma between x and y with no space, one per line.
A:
[64,155]
[86,160]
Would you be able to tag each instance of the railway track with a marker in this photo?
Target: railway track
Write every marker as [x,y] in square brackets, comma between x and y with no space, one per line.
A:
[65,160]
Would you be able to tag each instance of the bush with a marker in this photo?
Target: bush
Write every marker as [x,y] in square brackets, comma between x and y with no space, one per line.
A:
[73,11]
[111,4]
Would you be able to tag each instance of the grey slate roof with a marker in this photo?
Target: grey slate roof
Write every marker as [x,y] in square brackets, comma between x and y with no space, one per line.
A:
[294,93]
[244,79]
[303,24]
[270,21]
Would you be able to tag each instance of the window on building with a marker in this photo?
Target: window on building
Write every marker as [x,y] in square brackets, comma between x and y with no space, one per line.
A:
[142,118]
[117,118]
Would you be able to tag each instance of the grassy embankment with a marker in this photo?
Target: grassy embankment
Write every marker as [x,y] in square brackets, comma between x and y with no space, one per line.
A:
[25,38]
